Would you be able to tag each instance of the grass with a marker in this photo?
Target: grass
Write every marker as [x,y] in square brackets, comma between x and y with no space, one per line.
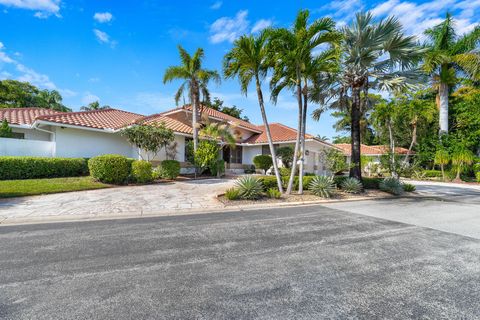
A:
[30,187]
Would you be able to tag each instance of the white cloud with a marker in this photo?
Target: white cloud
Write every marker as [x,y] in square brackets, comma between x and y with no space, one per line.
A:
[89,98]
[103,17]
[44,8]
[103,37]
[230,28]
[216,5]
[261,24]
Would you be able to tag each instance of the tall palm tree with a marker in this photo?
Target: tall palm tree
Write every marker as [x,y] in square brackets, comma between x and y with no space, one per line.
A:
[292,53]
[375,55]
[448,57]
[195,79]
[95,105]
[248,60]
[52,100]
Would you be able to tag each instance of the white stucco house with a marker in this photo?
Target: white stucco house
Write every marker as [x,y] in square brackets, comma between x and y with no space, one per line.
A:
[43,132]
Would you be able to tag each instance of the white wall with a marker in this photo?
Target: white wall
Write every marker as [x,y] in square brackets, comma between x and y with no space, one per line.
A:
[161,155]
[249,152]
[21,147]
[74,143]
[32,134]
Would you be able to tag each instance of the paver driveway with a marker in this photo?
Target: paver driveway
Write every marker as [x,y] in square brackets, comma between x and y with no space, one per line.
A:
[165,198]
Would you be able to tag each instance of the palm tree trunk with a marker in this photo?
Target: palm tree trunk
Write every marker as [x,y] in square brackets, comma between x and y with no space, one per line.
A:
[194,116]
[414,142]
[269,134]
[355,170]
[297,142]
[302,140]
[443,119]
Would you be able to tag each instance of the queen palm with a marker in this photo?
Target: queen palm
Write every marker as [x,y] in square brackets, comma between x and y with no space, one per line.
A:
[247,60]
[448,57]
[196,80]
[375,55]
[52,100]
[292,54]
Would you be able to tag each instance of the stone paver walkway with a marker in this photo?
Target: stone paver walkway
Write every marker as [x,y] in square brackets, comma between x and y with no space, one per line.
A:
[157,199]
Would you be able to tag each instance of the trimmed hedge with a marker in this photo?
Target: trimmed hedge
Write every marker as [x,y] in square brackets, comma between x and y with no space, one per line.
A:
[263,162]
[433,173]
[142,171]
[168,169]
[110,168]
[13,168]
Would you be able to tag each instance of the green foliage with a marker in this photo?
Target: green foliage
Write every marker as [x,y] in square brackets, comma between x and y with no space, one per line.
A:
[168,169]
[189,153]
[249,187]
[407,187]
[461,159]
[286,155]
[352,185]
[263,162]
[5,130]
[339,180]
[273,193]
[207,155]
[322,186]
[233,111]
[391,185]
[432,174]
[218,169]
[477,176]
[371,183]
[142,171]
[335,161]
[148,138]
[232,194]
[249,169]
[95,105]
[110,168]
[269,182]
[40,167]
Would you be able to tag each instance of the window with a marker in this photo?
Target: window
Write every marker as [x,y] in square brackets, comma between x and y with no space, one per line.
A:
[18,135]
[266,149]
[236,155]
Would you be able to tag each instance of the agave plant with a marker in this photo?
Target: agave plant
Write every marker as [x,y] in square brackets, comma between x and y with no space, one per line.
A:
[352,185]
[322,186]
[249,187]
[391,185]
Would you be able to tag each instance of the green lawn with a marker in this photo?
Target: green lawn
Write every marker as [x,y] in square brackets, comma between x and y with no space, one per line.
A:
[30,187]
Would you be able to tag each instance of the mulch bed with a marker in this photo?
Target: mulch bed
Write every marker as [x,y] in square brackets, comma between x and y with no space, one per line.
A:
[306,197]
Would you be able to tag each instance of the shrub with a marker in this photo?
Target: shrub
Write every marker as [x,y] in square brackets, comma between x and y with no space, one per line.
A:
[476,167]
[432,173]
[477,175]
[168,169]
[12,168]
[218,168]
[206,155]
[407,187]
[286,155]
[263,162]
[285,172]
[391,185]
[142,171]
[371,183]
[232,194]
[269,182]
[109,168]
[322,186]
[249,169]
[273,193]
[306,182]
[339,180]
[352,185]
[249,187]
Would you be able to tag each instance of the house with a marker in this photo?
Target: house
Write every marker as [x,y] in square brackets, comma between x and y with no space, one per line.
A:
[373,152]
[43,132]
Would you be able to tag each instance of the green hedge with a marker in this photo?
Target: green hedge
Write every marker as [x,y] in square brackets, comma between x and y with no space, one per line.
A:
[142,171]
[110,168]
[12,168]
[433,173]
[168,169]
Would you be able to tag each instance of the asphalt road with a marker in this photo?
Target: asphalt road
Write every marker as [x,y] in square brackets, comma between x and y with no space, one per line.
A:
[293,263]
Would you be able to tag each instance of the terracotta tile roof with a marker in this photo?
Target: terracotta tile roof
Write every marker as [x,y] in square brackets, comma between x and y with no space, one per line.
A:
[98,119]
[25,116]
[280,133]
[370,150]
[220,115]
[170,123]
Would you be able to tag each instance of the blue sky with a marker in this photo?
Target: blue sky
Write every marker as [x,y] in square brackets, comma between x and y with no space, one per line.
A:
[117,51]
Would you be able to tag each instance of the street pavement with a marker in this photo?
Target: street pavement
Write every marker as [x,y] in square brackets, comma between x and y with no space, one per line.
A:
[306,262]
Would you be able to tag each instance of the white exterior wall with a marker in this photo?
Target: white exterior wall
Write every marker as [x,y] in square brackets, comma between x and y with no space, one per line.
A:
[249,152]
[161,155]
[315,161]
[22,147]
[32,134]
[79,143]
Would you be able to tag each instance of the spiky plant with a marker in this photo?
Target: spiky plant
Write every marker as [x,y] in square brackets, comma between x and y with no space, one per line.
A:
[232,194]
[391,185]
[273,193]
[322,186]
[352,185]
[407,187]
[249,187]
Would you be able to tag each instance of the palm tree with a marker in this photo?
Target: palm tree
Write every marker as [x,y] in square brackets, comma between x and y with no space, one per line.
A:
[442,158]
[292,53]
[95,105]
[460,160]
[375,55]
[195,80]
[449,56]
[52,100]
[247,60]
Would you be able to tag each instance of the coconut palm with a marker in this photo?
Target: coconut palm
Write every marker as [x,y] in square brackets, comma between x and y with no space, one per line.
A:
[195,79]
[247,61]
[448,57]
[442,158]
[375,55]
[51,100]
[460,160]
[94,106]
[292,53]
